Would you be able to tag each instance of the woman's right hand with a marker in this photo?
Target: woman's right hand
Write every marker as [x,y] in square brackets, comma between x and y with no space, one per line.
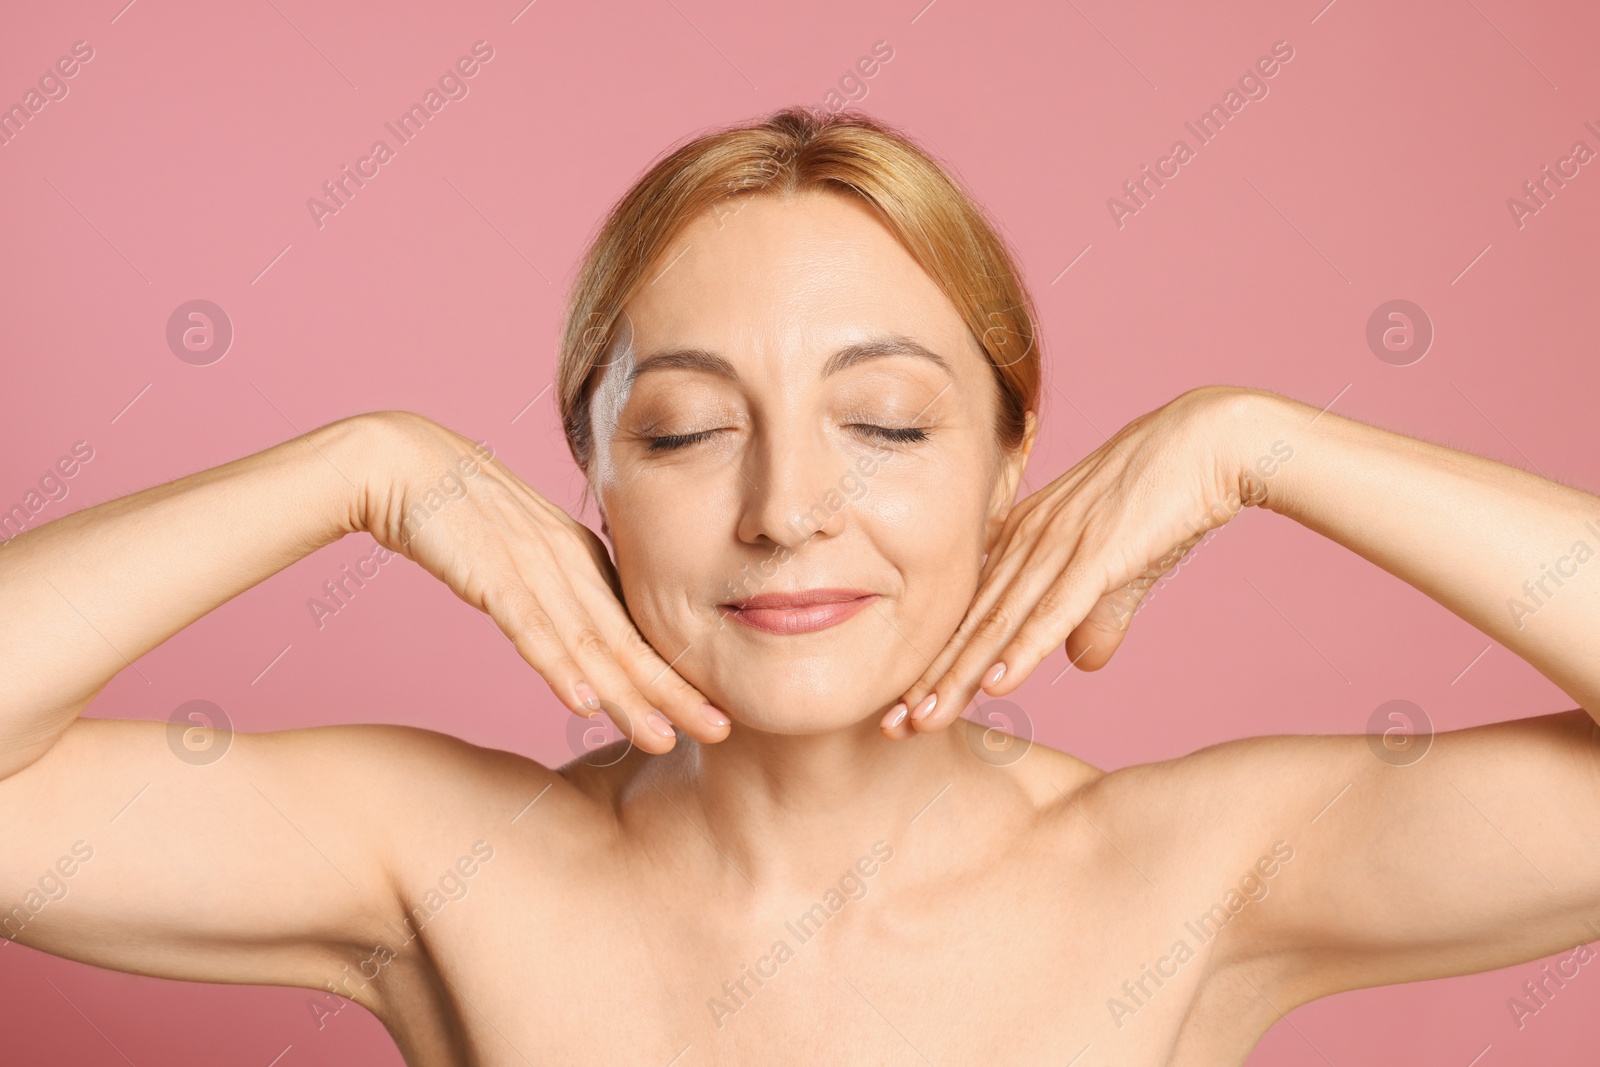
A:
[545,579]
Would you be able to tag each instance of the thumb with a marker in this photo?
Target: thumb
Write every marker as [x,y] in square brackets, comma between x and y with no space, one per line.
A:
[1093,642]
[1100,634]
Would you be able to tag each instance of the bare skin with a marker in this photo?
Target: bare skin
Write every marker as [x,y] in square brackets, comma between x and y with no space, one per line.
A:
[964,905]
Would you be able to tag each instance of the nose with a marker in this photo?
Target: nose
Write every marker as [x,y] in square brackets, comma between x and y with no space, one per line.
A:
[792,488]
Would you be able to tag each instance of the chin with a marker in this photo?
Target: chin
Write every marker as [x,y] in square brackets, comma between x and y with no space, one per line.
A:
[793,699]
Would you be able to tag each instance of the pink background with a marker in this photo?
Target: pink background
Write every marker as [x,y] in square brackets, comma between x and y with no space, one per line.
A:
[1378,167]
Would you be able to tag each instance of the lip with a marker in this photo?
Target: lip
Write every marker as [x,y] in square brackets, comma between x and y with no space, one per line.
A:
[802,612]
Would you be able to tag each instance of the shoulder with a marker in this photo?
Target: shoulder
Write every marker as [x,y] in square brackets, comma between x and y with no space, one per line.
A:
[1201,825]
[1193,789]
[390,761]
[1224,799]
[426,797]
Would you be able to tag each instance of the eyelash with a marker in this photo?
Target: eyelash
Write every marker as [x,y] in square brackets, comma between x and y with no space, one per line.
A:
[899,434]
[676,441]
[906,435]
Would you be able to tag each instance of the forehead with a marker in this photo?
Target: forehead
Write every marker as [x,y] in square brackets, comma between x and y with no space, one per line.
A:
[790,277]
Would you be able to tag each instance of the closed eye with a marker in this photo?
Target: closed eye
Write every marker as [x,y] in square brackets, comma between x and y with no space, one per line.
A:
[677,440]
[902,434]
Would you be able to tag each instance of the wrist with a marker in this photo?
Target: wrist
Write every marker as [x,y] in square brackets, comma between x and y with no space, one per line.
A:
[409,467]
[371,451]
[1263,438]
[1246,432]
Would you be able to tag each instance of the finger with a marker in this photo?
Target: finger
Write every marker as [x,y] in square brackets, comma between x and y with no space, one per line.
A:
[535,637]
[1002,582]
[681,703]
[532,623]
[1036,604]
[895,724]
[620,664]
[989,592]
[674,698]
[1090,642]
[640,719]
[1062,612]
[1096,639]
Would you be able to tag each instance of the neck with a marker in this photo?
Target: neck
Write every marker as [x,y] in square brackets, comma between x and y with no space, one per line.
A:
[786,809]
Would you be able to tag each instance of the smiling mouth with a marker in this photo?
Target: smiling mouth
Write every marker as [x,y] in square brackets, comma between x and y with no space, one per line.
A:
[798,613]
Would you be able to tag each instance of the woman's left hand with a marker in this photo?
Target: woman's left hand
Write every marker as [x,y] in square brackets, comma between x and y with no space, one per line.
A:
[1073,560]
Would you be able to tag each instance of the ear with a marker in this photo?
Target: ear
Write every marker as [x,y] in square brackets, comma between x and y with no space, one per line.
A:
[1005,487]
[605,525]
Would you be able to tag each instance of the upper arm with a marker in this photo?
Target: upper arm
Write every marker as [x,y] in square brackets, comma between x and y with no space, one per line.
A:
[1483,853]
[283,862]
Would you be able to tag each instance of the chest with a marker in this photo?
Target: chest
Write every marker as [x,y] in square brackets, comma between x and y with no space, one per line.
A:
[997,967]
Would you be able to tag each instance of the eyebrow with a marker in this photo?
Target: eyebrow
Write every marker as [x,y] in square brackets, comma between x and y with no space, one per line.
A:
[875,348]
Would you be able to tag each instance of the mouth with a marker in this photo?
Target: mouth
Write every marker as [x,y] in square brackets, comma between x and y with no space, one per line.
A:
[801,612]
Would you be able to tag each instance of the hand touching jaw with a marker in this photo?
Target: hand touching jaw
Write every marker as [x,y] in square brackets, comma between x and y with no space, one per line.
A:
[793,413]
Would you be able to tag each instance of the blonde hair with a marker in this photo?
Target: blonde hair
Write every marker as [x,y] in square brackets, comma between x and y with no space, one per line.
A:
[790,151]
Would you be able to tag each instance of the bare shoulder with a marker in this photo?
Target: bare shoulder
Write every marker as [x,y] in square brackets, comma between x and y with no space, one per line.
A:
[444,788]
[1340,861]
[1229,796]
[428,799]
[1201,825]
[310,842]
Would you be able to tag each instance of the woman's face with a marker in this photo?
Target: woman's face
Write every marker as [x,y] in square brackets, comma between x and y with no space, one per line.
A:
[807,411]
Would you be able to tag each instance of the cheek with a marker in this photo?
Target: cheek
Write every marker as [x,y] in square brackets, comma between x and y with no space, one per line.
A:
[928,524]
[664,558]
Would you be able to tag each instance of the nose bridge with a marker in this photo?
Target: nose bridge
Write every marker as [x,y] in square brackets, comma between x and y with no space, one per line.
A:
[790,484]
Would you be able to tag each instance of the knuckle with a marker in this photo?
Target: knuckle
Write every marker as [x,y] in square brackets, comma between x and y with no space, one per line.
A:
[532,623]
[996,625]
[1033,642]
[633,644]
[1054,602]
[1121,609]
[1033,522]
[924,684]
[588,643]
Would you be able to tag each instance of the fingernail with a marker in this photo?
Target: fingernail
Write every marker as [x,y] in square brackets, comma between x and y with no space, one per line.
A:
[997,672]
[658,724]
[926,706]
[713,716]
[586,696]
[896,716]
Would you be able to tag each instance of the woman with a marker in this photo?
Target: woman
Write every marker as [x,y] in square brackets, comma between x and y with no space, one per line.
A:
[800,374]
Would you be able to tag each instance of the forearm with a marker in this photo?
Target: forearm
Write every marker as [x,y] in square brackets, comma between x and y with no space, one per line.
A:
[84,596]
[1511,553]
